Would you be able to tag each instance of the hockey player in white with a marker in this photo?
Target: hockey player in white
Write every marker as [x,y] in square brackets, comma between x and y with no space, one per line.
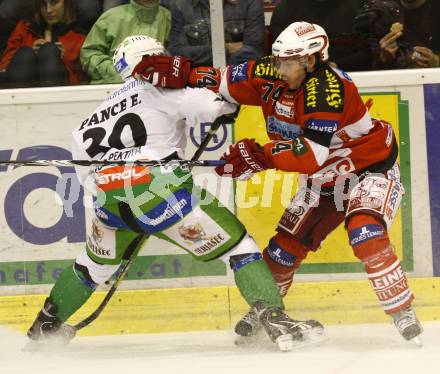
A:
[139,121]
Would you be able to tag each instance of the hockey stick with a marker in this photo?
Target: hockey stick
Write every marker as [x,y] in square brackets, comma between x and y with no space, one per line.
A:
[124,267]
[188,163]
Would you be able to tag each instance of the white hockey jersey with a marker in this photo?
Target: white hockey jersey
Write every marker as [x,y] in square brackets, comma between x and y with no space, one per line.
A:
[138,116]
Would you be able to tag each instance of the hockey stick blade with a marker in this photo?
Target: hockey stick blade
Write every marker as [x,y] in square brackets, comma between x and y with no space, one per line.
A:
[188,163]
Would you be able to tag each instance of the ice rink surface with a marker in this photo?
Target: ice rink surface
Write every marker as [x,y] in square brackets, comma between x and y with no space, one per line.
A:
[356,349]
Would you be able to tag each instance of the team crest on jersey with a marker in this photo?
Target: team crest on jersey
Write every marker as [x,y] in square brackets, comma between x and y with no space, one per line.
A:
[238,73]
[265,70]
[284,129]
[324,93]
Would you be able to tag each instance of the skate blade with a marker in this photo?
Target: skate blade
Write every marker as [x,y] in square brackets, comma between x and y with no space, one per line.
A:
[310,340]
[285,342]
[417,342]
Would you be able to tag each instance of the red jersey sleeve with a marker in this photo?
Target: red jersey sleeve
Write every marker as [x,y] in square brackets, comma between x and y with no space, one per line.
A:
[250,82]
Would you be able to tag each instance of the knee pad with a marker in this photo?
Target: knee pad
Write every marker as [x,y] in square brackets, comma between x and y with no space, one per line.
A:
[283,255]
[90,272]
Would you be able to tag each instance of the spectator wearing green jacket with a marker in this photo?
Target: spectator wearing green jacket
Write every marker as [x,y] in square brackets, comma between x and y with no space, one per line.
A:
[139,17]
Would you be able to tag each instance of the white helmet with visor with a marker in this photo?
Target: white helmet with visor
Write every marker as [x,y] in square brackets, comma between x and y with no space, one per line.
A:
[301,39]
[129,53]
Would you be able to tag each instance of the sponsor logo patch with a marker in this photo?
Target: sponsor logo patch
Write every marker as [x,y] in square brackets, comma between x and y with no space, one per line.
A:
[324,93]
[323,125]
[96,243]
[238,73]
[342,134]
[284,110]
[279,255]
[166,213]
[367,232]
[304,29]
[121,65]
[195,233]
[116,177]
[263,69]
[286,130]
[299,147]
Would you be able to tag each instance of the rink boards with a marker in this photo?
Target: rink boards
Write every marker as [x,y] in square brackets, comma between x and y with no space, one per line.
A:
[41,235]
[219,308]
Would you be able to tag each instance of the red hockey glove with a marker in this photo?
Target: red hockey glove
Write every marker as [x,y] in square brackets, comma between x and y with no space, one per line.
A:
[205,76]
[164,71]
[243,159]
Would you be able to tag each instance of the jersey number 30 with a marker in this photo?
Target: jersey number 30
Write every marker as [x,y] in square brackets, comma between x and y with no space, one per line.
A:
[98,134]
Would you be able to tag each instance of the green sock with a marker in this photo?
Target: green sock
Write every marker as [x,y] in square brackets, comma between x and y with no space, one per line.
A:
[69,293]
[255,282]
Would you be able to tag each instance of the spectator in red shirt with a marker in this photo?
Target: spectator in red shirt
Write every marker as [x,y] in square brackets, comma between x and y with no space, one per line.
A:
[45,50]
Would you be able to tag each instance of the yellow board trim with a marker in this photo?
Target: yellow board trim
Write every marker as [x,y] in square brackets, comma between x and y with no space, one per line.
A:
[218,308]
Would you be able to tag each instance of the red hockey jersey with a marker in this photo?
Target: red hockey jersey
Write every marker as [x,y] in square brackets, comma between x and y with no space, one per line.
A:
[323,129]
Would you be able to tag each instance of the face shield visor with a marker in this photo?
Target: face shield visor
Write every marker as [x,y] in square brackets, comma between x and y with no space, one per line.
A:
[288,64]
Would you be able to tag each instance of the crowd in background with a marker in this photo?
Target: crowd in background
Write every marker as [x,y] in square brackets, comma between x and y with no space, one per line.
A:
[66,42]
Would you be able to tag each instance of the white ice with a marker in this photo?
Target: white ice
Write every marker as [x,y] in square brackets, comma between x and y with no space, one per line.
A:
[356,349]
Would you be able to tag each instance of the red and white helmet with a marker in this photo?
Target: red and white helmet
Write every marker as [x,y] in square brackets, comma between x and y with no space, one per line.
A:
[301,39]
[129,53]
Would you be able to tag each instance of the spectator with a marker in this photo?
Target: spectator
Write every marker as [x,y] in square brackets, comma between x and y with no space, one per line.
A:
[380,23]
[11,11]
[191,31]
[422,30]
[139,17]
[44,50]
[394,40]
[107,4]
[334,15]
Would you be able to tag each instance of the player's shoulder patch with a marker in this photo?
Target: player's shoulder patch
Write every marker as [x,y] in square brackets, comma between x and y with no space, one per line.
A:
[265,70]
[324,92]
[238,73]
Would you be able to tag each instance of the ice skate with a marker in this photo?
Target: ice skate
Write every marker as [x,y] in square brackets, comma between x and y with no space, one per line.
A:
[249,329]
[408,325]
[48,328]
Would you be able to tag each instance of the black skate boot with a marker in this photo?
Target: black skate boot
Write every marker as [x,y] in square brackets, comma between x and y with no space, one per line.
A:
[408,325]
[286,332]
[48,326]
[249,324]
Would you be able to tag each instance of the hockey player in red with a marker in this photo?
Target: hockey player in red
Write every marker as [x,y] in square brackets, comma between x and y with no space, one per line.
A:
[319,126]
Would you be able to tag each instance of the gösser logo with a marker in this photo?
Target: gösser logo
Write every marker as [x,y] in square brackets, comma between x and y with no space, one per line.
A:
[218,139]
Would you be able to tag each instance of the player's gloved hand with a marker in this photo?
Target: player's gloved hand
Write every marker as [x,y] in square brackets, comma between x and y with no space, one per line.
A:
[164,71]
[205,76]
[243,159]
